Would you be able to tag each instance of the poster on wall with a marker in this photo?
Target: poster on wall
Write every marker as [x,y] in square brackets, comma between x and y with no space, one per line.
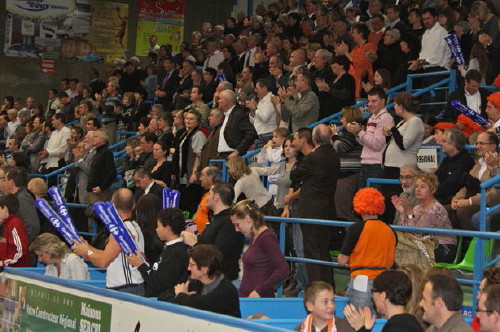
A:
[65,29]
[162,18]
[108,32]
[28,307]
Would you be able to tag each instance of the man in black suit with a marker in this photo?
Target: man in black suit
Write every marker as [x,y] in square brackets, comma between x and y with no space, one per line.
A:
[103,170]
[145,184]
[167,84]
[470,94]
[318,173]
[237,132]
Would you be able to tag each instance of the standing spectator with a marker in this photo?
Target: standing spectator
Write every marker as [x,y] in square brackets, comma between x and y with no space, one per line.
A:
[146,215]
[361,56]
[215,56]
[209,150]
[85,114]
[263,114]
[263,263]
[107,109]
[389,53]
[120,275]
[56,145]
[209,176]
[14,243]
[102,170]
[368,248]
[168,83]
[340,89]
[236,133]
[16,180]
[33,143]
[162,170]
[441,301]
[53,104]
[196,96]
[187,160]
[96,84]
[220,231]
[318,173]
[145,184]
[301,109]
[371,137]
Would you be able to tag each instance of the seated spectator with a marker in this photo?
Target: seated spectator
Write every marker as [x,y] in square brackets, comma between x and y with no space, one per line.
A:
[209,176]
[208,288]
[488,309]
[492,199]
[163,169]
[407,177]
[439,129]
[430,122]
[453,167]
[368,248]
[467,199]
[263,262]
[442,300]
[145,151]
[272,152]
[319,301]
[143,126]
[415,274]
[14,243]
[491,276]
[248,183]
[493,111]
[170,268]
[391,292]
[146,214]
[59,260]
[428,214]
[349,151]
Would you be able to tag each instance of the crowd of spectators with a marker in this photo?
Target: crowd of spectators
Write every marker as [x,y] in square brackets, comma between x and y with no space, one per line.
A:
[248,85]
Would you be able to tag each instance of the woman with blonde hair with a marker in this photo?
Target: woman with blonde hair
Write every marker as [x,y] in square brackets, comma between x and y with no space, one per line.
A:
[415,274]
[248,183]
[264,264]
[428,214]
[58,258]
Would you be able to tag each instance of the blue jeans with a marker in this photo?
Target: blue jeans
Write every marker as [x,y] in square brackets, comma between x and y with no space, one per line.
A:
[358,298]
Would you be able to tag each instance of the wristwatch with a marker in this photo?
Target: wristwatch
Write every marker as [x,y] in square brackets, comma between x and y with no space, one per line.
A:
[88,253]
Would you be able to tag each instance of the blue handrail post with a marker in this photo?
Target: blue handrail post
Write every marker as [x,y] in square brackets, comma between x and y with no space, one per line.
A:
[409,83]
[479,248]
[452,86]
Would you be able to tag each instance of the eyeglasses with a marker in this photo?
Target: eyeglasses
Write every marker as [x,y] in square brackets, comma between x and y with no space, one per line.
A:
[485,311]
[191,264]
[406,177]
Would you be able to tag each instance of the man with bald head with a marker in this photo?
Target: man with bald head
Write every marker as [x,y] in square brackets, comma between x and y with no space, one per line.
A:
[120,275]
[236,133]
[318,173]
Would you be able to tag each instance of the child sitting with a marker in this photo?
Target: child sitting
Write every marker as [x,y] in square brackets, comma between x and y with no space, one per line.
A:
[319,302]
[14,251]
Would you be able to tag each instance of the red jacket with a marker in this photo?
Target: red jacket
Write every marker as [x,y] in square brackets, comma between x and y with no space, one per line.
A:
[14,244]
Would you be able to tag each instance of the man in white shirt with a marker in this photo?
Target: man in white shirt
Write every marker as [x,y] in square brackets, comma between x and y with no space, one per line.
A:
[56,145]
[470,95]
[215,56]
[263,114]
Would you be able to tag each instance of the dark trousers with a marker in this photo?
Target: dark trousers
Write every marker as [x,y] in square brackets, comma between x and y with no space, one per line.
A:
[190,197]
[370,171]
[316,246]
[389,190]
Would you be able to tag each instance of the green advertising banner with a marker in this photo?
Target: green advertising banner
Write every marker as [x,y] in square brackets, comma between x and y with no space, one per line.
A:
[28,307]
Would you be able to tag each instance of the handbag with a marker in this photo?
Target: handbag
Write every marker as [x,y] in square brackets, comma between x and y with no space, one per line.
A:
[415,250]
